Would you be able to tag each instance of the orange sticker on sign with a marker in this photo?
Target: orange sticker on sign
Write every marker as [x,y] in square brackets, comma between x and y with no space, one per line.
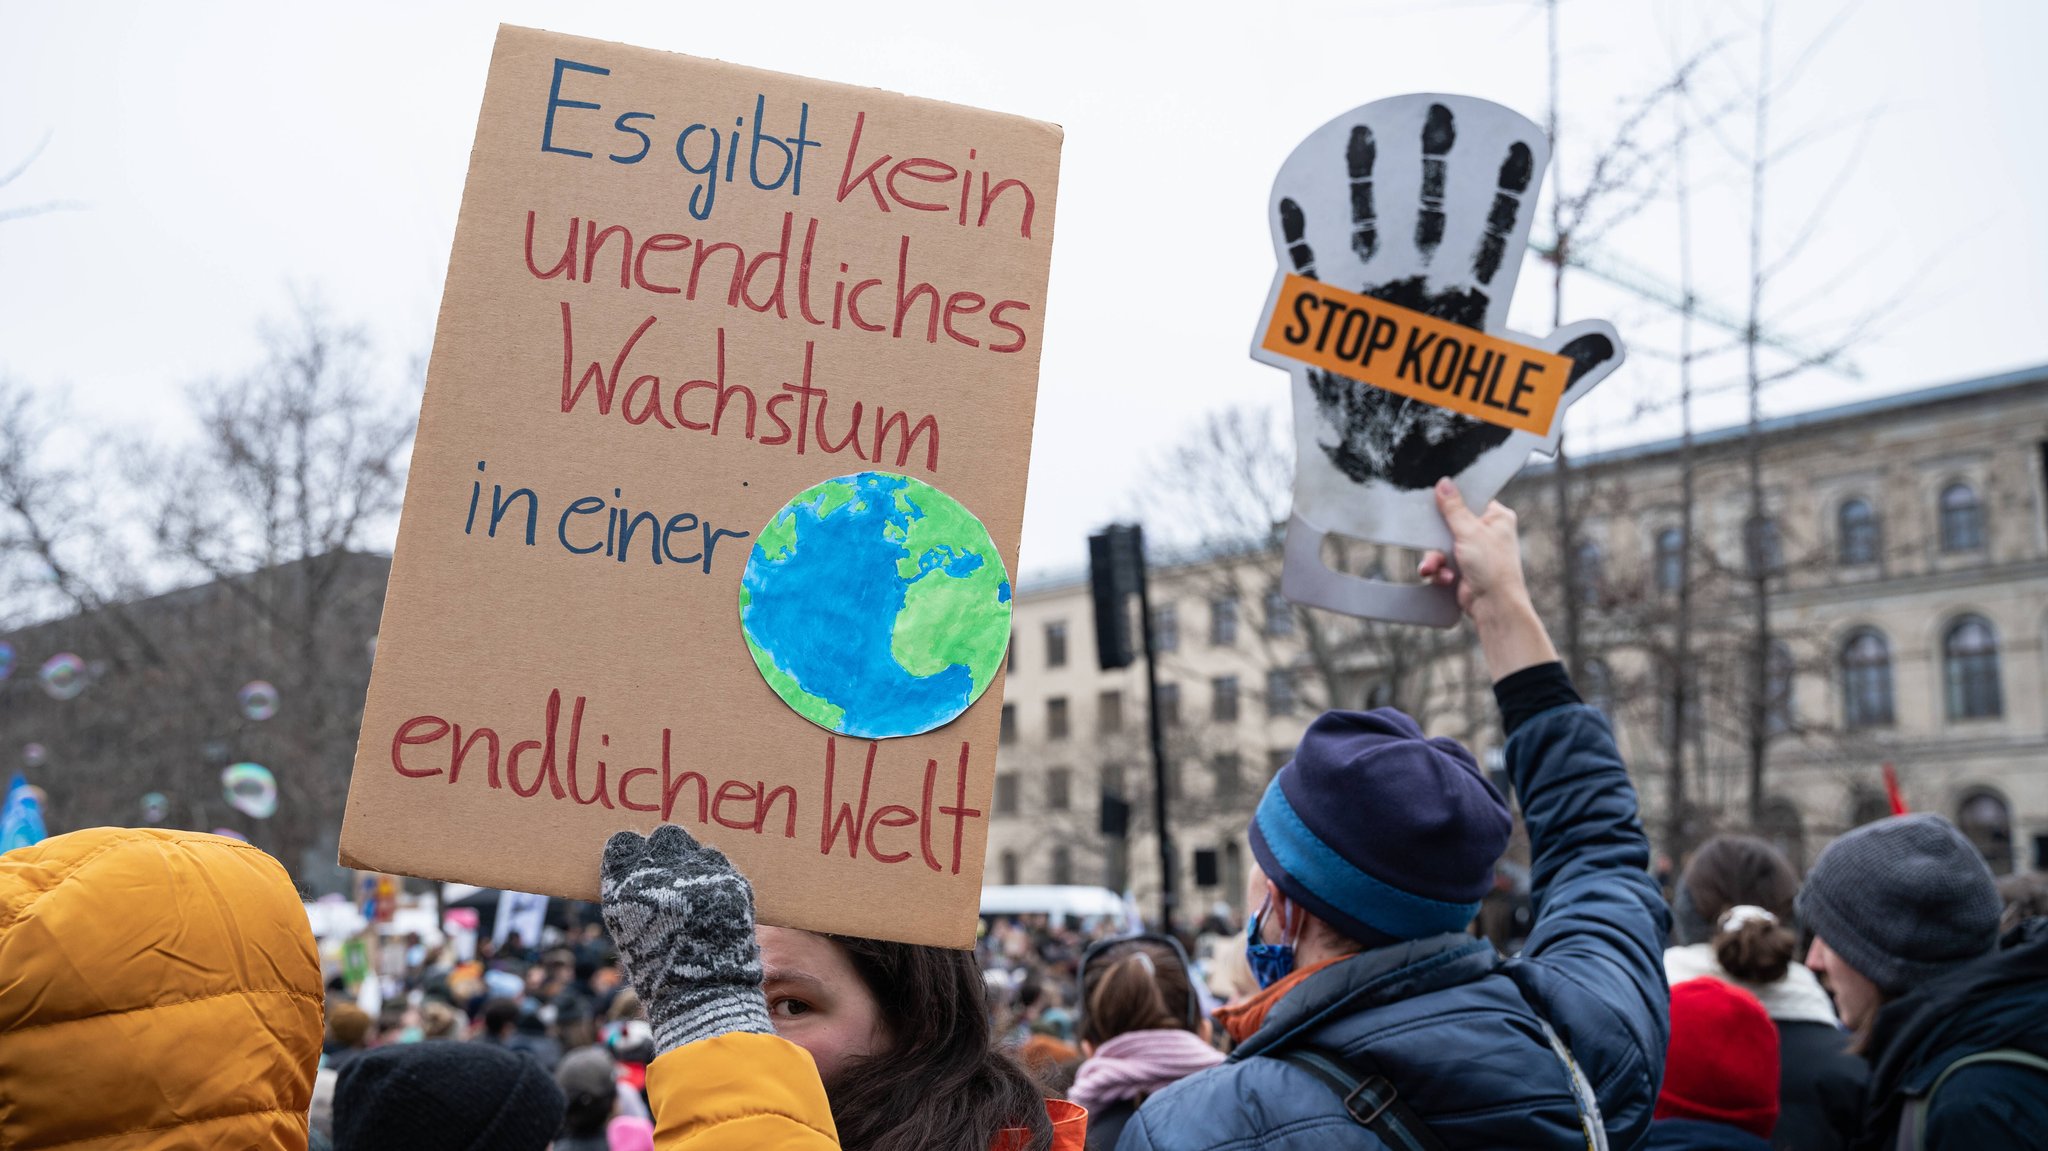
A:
[1415,355]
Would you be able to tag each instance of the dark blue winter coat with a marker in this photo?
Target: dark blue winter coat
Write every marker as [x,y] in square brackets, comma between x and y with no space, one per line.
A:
[1456,1028]
[1999,1001]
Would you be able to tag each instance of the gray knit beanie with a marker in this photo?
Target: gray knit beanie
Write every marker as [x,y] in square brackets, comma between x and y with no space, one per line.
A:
[1902,900]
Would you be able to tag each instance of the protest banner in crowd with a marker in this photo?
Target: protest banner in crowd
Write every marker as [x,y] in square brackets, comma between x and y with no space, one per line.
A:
[1400,228]
[718,483]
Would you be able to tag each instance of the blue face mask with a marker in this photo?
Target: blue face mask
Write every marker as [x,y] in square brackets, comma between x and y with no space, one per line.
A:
[1270,962]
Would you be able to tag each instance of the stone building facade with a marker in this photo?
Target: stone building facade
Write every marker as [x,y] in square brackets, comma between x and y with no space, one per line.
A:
[1904,560]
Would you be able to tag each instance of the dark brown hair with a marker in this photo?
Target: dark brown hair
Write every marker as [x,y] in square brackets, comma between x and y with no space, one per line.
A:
[1731,870]
[1135,986]
[942,1085]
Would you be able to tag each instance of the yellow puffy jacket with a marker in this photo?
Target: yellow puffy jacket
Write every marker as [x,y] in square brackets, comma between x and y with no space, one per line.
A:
[742,1090]
[158,989]
[739,1090]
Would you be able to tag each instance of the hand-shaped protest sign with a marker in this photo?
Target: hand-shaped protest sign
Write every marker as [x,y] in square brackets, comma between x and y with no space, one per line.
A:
[1393,325]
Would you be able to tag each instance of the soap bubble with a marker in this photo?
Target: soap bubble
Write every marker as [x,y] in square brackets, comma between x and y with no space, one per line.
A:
[155,806]
[63,676]
[6,659]
[35,755]
[258,699]
[250,789]
[230,833]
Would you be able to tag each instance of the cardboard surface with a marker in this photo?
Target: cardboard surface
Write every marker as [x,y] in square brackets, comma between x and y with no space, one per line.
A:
[1413,212]
[681,293]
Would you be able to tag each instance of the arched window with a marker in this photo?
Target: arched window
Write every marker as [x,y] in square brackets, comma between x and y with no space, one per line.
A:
[1780,676]
[1589,572]
[1599,687]
[1670,559]
[1856,533]
[1962,519]
[1986,819]
[1762,549]
[1867,679]
[1969,657]
[1009,869]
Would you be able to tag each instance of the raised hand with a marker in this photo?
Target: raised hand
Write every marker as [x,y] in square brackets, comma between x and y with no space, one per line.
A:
[683,918]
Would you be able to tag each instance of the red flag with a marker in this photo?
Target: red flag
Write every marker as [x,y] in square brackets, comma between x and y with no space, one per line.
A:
[1891,790]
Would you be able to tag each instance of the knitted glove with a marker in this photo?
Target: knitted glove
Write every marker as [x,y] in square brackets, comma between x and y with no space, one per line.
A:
[683,920]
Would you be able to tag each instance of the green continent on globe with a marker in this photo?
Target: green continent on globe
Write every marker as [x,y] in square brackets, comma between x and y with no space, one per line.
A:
[948,619]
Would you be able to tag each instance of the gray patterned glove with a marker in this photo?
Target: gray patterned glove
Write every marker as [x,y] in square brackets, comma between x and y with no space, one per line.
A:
[683,919]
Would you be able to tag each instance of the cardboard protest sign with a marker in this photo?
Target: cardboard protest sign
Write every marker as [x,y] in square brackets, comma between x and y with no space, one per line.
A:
[1400,228]
[719,477]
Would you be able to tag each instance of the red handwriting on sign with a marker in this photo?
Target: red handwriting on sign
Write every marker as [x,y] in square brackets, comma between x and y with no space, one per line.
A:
[857,820]
[901,180]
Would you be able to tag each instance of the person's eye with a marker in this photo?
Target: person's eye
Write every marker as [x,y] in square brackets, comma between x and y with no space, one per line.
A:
[789,1008]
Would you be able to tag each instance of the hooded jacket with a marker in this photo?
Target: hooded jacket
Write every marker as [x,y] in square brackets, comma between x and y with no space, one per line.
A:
[1455,1028]
[1999,1001]
[158,989]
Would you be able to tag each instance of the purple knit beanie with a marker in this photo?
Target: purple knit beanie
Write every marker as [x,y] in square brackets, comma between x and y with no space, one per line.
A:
[1379,831]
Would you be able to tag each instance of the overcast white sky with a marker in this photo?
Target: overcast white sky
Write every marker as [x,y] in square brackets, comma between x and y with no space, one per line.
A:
[221,155]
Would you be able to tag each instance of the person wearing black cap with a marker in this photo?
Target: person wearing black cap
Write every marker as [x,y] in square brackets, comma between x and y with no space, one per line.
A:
[1953,1019]
[1379,1010]
[445,1097]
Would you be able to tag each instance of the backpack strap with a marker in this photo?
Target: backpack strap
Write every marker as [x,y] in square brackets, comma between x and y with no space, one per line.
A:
[1913,1116]
[1370,1100]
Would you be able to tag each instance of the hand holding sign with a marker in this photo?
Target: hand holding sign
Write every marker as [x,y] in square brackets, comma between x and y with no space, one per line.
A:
[1412,376]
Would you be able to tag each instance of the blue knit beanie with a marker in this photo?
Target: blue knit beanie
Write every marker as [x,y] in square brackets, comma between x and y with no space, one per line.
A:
[1379,831]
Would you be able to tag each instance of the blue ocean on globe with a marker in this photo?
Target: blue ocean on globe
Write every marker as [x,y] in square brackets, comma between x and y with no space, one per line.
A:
[876,605]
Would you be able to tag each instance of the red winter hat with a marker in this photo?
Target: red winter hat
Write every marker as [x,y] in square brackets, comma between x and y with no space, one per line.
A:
[1723,1062]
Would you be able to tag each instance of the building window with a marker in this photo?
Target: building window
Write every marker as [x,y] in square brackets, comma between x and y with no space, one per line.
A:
[1006,793]
[1589,572]
[1059,789]
[1010,869]
[1599,687]
[1280,698]
[1109,712]
[1113,780]
[1962,519]
[1763,550]
[1856,533]
[1986,819]
[1223,621]
[1670,559]
[1223,699]
[1276,759]
[1168,703]
[1056,643]
[1781,673]
[1010,656]
[1867,680]
[1279,614]
[1969,655]
[1056,717]
[1228,767]
[1165,628]
[1062,865]
[1009,731]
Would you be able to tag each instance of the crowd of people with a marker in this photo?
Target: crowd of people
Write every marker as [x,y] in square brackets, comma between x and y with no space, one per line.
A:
[160,988]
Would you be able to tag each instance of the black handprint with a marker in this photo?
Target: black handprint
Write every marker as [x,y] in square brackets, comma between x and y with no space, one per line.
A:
[1381,435]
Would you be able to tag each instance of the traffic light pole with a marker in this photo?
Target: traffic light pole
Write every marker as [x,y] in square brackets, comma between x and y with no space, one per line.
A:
[1169,894]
